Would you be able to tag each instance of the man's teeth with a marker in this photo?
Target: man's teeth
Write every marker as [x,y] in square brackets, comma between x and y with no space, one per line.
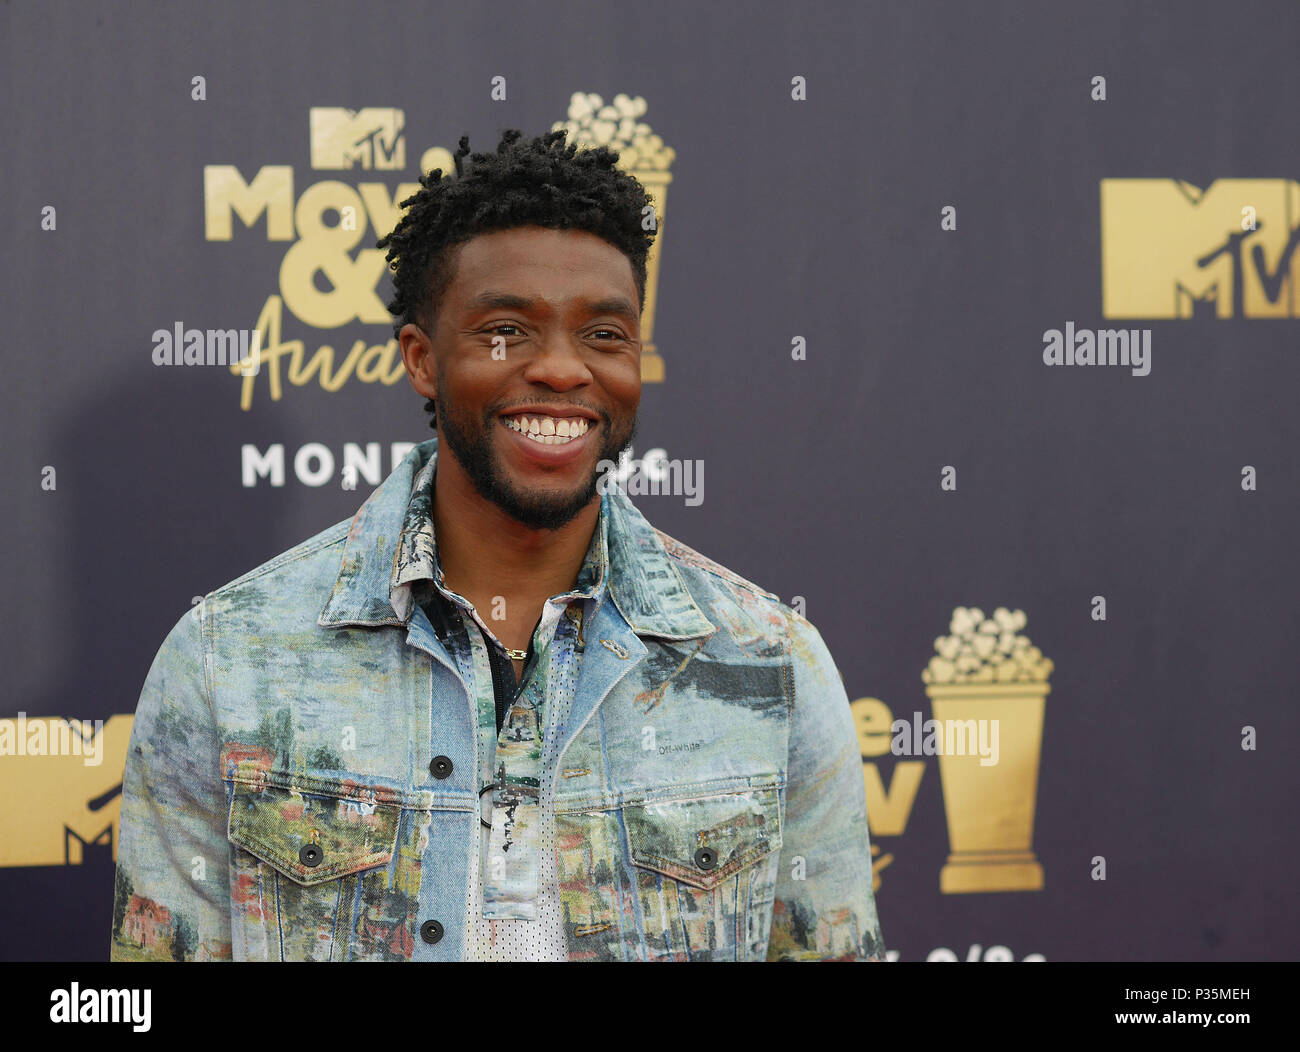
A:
[549,430]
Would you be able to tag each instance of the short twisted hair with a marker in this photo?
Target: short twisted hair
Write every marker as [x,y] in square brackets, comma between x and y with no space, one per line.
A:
[545,181]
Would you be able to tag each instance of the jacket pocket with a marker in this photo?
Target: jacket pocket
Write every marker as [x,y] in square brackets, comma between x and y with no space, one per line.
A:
[312,837]
[705,869]
[323,870]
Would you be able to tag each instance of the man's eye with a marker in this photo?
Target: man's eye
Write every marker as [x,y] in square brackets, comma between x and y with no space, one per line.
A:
[503,325]
[612,332]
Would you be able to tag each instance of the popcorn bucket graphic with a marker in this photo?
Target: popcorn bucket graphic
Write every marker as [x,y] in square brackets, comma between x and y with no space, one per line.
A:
[656,185]
[642,154]
[986,671]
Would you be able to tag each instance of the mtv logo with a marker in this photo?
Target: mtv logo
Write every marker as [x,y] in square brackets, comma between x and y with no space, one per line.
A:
[1170,249]
[367,138]
[67,806]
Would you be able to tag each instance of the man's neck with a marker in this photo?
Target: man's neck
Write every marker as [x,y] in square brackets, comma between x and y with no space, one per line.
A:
[485,553]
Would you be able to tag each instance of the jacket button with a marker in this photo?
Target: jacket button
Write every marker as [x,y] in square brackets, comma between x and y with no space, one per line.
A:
[706,858]
[441,766]
[310,855]
[431,931]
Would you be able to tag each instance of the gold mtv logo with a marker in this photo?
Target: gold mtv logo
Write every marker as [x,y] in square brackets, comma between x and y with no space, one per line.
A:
[366,138]
[58,805]
[1172,250]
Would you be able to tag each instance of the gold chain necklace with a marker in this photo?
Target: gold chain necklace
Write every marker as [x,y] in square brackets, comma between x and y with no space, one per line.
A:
[574,614]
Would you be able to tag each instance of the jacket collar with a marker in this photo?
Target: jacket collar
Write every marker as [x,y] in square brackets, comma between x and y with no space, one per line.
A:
[382,556]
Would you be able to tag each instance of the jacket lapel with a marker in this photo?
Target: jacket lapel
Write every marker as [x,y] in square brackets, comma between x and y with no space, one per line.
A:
[645,598]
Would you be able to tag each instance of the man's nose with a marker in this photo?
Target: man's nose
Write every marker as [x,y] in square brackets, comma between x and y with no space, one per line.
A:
[559,363]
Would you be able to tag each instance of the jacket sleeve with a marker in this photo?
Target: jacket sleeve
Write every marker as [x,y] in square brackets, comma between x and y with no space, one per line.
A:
[824,908]
[171,897]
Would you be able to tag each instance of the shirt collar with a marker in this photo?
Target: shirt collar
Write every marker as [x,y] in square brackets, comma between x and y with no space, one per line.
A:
[390,546]
[417,560]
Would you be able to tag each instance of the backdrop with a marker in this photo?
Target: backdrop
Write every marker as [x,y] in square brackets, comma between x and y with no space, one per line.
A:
[980,319]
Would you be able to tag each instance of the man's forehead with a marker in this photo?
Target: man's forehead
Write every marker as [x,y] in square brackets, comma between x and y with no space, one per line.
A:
[511,267]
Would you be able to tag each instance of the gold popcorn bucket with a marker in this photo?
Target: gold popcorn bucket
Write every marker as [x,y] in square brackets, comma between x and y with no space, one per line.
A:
[990,809]
[655,181]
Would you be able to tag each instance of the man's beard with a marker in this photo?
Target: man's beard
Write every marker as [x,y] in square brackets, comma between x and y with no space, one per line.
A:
[470,443]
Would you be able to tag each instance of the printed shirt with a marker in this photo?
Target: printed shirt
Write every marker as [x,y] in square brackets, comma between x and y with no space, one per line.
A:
[513,910]
[304,771]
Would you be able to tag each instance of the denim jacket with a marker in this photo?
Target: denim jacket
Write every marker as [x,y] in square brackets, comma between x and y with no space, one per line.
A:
[301,777]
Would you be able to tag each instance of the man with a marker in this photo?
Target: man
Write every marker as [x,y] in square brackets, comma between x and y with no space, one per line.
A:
[497,715]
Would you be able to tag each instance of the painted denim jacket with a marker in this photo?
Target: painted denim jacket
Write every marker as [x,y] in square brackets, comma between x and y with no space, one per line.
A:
[279,801]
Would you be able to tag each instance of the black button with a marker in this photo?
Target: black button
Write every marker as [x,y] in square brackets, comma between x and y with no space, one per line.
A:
[431,931]
[441,766]
[310,855]
[706,858]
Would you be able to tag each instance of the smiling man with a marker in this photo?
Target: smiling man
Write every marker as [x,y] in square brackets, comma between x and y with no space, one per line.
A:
[497,715]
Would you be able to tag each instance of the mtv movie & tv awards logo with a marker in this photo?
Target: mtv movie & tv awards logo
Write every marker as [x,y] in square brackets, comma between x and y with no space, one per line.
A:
[988,686]
[1170,249]
[330,276]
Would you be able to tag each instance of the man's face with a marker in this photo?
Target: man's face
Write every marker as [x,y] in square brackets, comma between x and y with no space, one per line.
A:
[539,329]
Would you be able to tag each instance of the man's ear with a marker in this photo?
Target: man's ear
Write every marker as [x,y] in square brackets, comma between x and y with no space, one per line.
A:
[418,358]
